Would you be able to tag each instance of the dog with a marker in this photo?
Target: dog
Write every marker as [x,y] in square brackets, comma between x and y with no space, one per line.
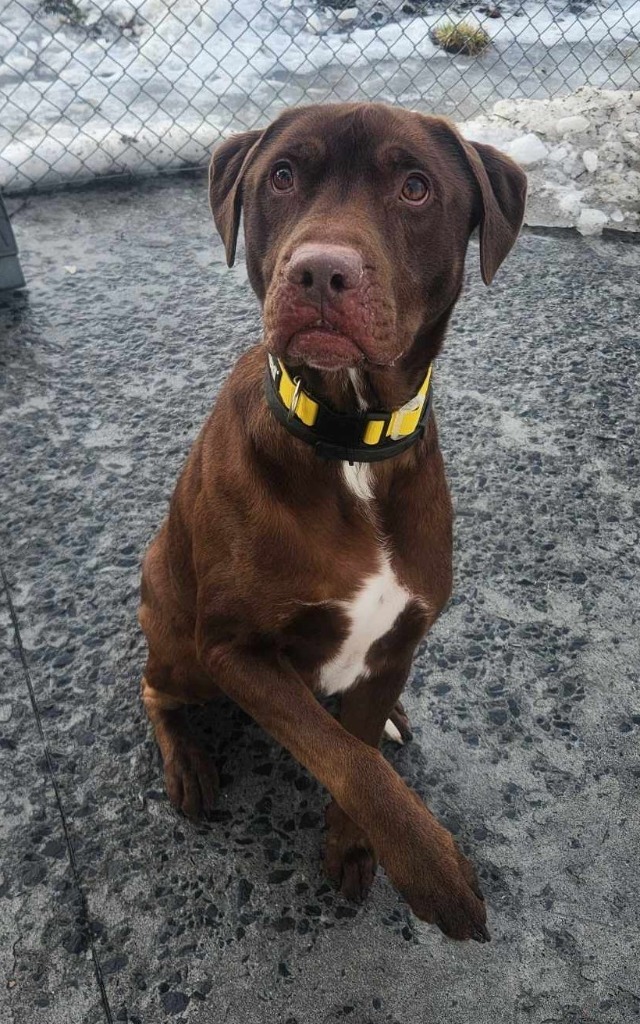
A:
[308,544]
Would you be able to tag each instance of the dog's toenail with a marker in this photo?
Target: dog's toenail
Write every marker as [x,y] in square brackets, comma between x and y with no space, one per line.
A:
[480,934]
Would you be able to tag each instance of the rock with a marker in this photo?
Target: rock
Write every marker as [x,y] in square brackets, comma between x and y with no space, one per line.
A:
[349,14]
[175,1002]
[591,221]
[617,216]
[590,159]
[528,150]
[572,124]
[378,16]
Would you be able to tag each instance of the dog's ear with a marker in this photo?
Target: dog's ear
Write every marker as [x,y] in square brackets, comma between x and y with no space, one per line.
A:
[503,192]
[226,172]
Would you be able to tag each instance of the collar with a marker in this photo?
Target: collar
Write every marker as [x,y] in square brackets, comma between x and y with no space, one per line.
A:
[352,437]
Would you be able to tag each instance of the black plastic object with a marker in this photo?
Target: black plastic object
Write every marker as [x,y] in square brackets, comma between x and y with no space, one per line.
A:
[11,275]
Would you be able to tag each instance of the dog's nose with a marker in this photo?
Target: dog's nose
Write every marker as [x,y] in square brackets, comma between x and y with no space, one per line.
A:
[323,272]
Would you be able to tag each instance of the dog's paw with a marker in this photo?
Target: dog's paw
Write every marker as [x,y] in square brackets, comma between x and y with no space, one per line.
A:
[191,781]
[349,860]
[436,879]
[456,911]
[352,870]
[448,894]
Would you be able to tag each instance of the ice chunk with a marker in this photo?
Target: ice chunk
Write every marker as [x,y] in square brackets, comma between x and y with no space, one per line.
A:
[528,150]
[569,166]
[558,153]
[496,135]
[569,203]
[617,216]
[315,24]
[591,221]
[590,158]
[348,14]
[573,123]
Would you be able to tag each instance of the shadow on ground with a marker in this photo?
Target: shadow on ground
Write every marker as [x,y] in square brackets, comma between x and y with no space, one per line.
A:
[524,700]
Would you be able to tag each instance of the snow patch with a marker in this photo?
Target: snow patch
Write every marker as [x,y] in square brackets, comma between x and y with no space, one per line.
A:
[581,153]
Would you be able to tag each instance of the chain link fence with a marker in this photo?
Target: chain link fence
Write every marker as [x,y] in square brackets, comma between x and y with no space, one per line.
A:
[95,87]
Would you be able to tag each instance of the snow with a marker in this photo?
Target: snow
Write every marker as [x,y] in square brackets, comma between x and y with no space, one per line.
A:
[589,175]
[156,83]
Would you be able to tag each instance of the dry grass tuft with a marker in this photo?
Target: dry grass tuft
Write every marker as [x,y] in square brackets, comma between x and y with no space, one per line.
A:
[462,37]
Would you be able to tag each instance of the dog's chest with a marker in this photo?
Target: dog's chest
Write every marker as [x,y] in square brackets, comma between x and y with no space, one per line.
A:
[371,613]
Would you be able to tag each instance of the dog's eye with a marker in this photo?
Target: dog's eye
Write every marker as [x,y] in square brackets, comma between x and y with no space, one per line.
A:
[282,177]
[415,189]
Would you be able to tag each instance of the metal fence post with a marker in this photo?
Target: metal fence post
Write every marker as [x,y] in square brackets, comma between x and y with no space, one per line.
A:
[11,275]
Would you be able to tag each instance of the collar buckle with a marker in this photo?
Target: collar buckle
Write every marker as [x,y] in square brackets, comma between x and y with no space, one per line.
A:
[396,428]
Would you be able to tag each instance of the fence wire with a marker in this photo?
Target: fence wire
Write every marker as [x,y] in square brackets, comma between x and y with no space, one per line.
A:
[91,87]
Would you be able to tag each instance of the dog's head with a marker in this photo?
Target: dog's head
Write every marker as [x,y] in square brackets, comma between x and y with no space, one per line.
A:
[357,219]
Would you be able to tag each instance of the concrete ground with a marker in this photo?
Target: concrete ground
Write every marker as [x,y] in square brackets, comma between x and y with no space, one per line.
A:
[524,699]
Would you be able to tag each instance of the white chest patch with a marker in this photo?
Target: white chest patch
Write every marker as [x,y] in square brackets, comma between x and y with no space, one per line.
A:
[357,476]
[372,612]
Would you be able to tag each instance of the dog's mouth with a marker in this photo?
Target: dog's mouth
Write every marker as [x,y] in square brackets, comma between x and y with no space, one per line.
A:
[323,347]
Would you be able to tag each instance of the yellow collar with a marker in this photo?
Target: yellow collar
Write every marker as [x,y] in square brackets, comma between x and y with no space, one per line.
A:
[359,437]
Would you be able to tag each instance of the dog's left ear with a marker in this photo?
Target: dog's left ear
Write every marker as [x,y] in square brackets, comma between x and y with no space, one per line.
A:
[503,191]
[228,166]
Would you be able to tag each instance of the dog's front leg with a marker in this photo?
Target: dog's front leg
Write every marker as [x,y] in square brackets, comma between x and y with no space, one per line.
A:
[419,855]
[350,859]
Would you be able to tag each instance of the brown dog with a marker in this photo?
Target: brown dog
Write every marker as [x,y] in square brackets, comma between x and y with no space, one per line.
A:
[307,548]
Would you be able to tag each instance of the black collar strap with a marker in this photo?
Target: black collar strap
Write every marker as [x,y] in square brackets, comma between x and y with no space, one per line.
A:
[352,437]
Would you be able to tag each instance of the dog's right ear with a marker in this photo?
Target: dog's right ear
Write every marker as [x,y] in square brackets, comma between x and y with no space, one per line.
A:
[226,171]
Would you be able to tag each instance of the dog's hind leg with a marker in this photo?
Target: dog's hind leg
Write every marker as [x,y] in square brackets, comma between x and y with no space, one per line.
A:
[190,776]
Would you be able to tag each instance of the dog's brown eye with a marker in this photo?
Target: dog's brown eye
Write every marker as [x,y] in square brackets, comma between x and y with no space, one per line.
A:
[415,189]
[282,178]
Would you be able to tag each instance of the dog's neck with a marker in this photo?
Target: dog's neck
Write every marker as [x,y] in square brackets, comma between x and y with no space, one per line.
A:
[371,387]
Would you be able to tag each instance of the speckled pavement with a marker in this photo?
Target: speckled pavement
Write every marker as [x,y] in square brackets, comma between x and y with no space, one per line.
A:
[524,699]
